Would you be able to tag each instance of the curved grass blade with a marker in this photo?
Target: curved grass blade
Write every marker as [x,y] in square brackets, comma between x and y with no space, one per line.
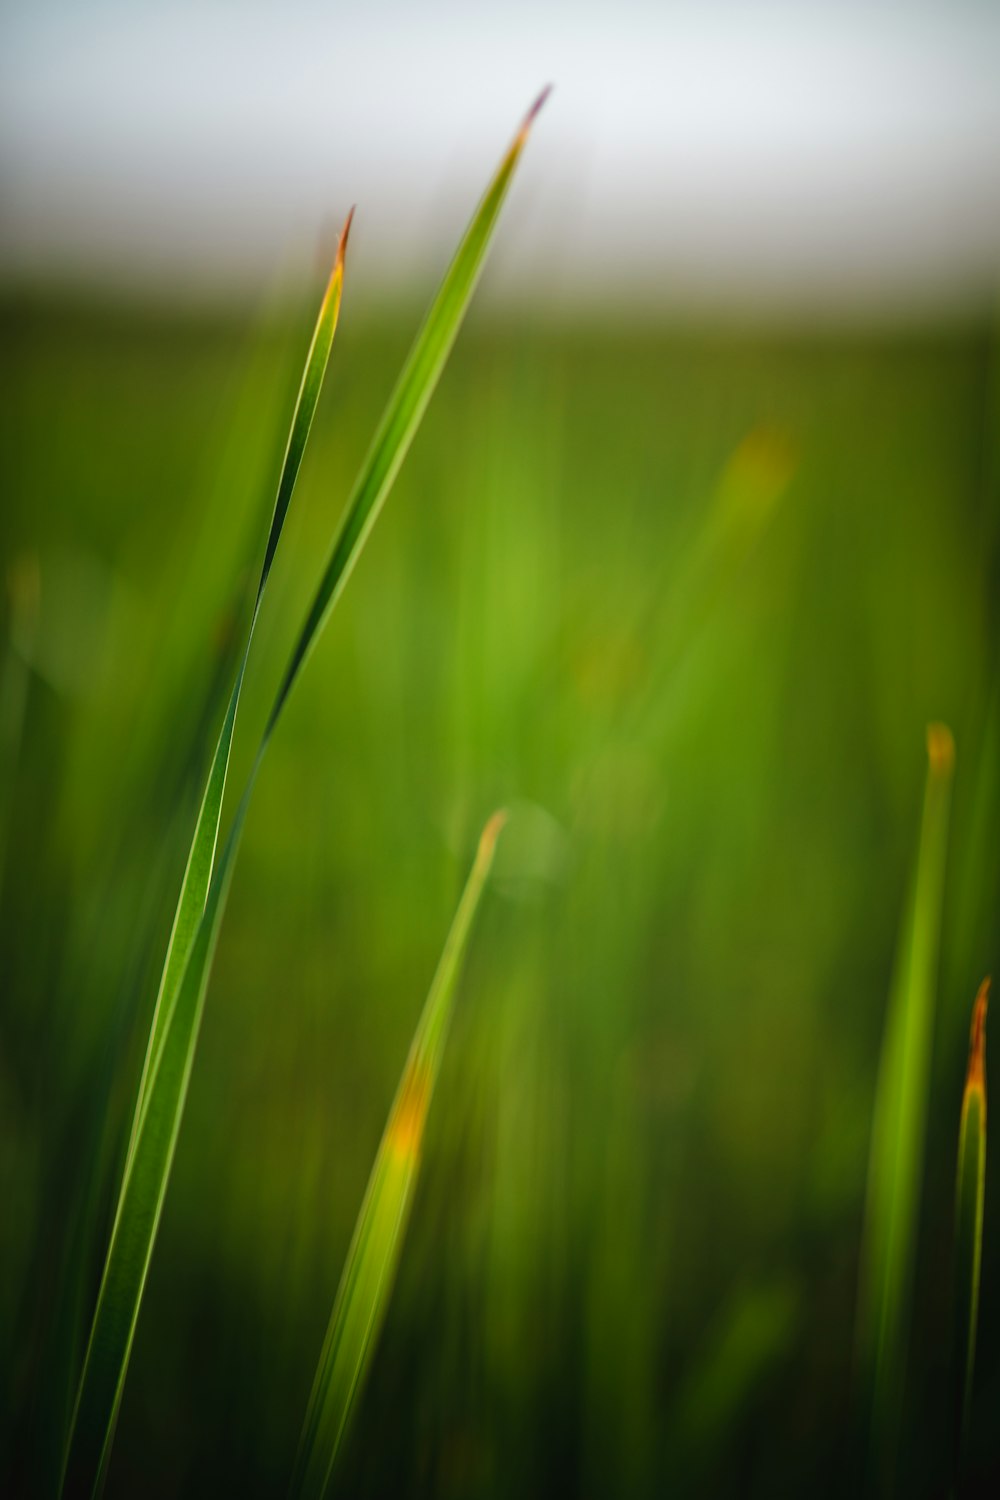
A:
[970,1194]
[406,407]
[899,1127]
[198,871]
[176,1028]
[118,1300]
[366,1282]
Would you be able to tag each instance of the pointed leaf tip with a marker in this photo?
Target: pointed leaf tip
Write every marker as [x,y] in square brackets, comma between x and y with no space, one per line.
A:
[531,116]
[976,1075]
[535,109]
[490,834]
[940,749]
[344,235]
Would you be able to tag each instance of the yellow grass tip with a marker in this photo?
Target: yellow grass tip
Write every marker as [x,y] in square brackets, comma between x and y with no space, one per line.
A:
[976,1075]
[940,749]
[490,834]
[757,474]
[767,454]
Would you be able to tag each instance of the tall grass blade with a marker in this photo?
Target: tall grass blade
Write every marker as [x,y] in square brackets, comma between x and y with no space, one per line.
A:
[135,1226]
[177,1021]
[366,1282]
[897,1146]
[198,871]
[970,1194]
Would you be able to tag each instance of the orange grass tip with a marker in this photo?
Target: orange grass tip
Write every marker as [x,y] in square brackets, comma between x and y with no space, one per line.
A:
[490,834]
[325,246]
[940,749]
[344,235]
[976,1075]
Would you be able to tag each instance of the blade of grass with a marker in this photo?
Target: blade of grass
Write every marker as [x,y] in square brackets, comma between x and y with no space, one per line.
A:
[198,871]
[366,1282]
[898,1130]
[114,1320]
[171,1051]
[970,1193]
[140,1205]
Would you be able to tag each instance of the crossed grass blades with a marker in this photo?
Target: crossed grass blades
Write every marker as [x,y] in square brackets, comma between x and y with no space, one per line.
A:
[205,887]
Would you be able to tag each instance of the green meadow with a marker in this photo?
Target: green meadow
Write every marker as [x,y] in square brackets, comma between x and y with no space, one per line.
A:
[683,601]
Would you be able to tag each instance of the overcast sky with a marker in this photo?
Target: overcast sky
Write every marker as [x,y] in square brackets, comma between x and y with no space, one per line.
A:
[827,153]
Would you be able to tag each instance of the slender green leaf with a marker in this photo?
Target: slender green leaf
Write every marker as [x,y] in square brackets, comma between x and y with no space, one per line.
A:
[899,1127]
[198,872]
[970,1195]
[132,1236]
[366,1282]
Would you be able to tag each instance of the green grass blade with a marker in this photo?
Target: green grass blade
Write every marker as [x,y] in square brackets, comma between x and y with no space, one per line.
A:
[198,871]
[176,1015]
[366,1282]
[141,1201]
[178,1018]
[899,1127]
[970,1194]
[406,407]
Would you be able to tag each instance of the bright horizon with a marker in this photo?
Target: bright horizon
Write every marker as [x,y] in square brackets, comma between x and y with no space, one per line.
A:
[827,156]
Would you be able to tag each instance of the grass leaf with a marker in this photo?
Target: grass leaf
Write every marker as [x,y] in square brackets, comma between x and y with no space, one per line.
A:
[177,1018]
[141,1194]
[366,1282]
[198,872]
[899,1127]
[970,1194]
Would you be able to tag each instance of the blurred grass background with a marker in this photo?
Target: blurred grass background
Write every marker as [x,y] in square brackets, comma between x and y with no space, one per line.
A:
[686,600]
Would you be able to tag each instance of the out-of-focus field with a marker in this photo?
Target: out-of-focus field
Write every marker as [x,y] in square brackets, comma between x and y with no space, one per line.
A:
[687,603]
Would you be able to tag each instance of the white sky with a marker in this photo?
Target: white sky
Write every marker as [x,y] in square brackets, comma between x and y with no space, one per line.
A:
[832,154]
